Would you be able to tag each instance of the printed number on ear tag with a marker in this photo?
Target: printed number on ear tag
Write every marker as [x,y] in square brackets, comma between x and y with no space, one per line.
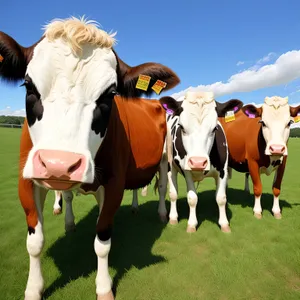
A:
[229,117]
[1,58]
[143,82]
[158,86]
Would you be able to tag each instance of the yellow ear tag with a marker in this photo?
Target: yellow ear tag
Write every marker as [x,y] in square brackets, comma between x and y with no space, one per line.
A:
[297,119]
[1,58]
[158,86]
[229,117]
[143,82]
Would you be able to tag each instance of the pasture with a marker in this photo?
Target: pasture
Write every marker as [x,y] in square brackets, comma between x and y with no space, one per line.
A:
[260,259]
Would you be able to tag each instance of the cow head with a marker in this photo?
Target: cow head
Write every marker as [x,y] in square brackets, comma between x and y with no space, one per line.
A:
[276,117]
[197,123]
[71,77]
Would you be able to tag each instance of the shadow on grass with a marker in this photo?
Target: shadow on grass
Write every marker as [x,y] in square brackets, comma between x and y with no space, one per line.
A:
[245,199]
[132,240]
[207,208]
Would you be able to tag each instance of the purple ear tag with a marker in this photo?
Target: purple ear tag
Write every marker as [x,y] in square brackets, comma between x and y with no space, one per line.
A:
[250,115]
[168,110]
[235,108]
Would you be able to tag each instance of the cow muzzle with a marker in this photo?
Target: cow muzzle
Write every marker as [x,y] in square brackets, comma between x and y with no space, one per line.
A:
[58,170]
[197,163]
[276,149]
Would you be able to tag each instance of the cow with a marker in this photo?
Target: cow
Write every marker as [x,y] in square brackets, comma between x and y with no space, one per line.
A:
[261,146]
[69,214]
[199,150]
[135,200]
[86,128]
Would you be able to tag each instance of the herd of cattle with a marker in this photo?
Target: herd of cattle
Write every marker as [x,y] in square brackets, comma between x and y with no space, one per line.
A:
[88,130]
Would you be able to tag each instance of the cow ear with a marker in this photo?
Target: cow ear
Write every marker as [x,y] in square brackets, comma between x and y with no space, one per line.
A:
[252,111]
[128,77]
[13,58]
[171,106]
[294,111]
[231,105]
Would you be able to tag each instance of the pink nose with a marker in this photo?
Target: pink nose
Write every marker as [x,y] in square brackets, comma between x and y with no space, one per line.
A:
[277,149]
[58,165]
[197,163]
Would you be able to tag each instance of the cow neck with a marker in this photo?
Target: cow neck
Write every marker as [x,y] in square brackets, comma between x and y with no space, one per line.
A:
[261,143]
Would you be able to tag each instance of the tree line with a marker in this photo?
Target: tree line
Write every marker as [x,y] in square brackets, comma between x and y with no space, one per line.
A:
[11,120]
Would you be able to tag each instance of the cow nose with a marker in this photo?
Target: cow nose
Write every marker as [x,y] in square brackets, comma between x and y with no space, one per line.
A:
[197,163]
[58,164]
[277,149]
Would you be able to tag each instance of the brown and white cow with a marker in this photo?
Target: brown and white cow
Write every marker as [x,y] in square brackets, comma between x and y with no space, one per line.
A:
[83,130]
[257,141]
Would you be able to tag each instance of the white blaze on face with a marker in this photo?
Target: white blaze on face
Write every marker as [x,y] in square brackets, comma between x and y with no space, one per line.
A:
[69,84]
[198,121]
[275,127]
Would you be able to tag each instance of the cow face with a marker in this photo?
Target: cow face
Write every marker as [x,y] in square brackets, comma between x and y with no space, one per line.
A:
[276,117]
[194,123]
[71,77]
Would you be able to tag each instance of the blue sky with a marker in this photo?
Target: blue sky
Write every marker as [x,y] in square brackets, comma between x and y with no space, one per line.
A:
[204,42]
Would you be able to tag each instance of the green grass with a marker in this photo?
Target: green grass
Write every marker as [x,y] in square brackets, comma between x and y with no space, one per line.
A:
[260,259]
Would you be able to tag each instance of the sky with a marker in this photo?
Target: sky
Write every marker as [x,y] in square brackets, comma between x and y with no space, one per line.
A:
[238,49]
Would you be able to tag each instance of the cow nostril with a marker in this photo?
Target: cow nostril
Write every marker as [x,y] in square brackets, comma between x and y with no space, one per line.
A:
[42,162]
[282,149]
[74,167]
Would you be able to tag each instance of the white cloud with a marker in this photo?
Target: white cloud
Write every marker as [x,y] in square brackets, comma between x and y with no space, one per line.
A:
[9,112]
[284,70]
[239,63]
[266,58]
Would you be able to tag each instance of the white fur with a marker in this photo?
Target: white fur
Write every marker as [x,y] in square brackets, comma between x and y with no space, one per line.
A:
[35,244]
[69,86]
[276,116]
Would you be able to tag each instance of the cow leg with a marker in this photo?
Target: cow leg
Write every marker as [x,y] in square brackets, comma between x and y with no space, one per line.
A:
[135,203]
[58,203]
[69,216]
[35,243]
[246,189]
[192,201]
[257,188]
[221,201]
[144,191]
[173,194]
[109,199]
[276,189]
[162,189]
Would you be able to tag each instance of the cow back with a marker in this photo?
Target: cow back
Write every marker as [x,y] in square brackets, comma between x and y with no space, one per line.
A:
[244,140]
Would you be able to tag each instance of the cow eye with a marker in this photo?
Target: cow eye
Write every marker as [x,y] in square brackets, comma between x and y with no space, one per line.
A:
[111,91]
[289,123]
[182,129]
[262,123]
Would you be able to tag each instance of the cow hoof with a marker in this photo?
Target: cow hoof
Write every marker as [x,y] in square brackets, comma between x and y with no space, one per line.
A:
[108,296]
[57,211]
[163,219]
[258,216]
[70,228]
[173,221]
[134,210]
[277,216]
[191,229]
[225,228]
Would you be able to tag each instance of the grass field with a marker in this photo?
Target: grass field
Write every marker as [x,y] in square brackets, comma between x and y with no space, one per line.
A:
[260,259]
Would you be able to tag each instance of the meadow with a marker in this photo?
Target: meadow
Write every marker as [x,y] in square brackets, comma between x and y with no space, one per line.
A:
[259,259]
